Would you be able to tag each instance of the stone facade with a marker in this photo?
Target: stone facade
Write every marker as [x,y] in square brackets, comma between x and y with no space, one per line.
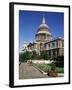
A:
[55,47]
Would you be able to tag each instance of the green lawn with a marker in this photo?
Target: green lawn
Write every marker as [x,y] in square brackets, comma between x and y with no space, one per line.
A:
[47,67]
[60,70]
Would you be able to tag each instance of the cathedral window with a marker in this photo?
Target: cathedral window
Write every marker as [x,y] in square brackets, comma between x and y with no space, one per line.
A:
[53,44]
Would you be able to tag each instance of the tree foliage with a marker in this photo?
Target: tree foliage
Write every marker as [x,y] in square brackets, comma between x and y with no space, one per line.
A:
[24,56]
[34,55]
[59,61]
[44,55]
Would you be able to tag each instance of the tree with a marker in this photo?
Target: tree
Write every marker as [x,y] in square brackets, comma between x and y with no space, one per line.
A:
[21,57]
[24,56]
[59,61]
[44,55]
[34,55]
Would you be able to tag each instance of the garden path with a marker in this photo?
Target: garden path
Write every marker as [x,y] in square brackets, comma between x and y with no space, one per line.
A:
[27,71]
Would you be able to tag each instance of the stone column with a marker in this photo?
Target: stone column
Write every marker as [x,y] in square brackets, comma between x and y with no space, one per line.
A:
[56,52]
[51,53]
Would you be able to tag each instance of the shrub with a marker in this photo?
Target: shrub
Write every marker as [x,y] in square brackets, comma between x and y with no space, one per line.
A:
[60,70]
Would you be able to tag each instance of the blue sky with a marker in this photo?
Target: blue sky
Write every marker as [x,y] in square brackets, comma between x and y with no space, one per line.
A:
[30,20]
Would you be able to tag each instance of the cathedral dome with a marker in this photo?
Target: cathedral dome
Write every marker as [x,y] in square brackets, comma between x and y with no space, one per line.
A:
[44,32]
[43,28]
[43,35]
[43,25]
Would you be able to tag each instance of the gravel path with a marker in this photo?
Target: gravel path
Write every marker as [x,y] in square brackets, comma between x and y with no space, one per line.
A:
[28,72]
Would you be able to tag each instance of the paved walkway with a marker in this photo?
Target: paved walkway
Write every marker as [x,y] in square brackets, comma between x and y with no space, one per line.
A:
[28,72]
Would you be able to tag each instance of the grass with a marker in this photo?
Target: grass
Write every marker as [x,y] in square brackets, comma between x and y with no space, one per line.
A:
[47,67]
[60,70]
